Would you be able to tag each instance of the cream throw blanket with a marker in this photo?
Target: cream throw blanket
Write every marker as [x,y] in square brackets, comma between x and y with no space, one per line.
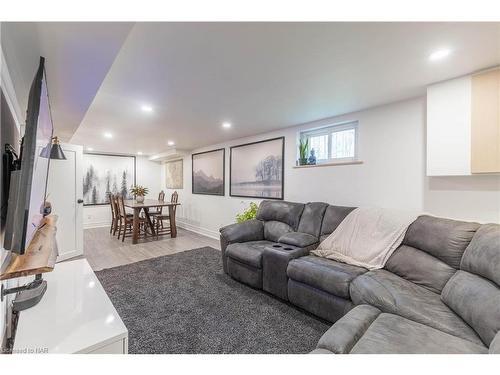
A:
[367,237]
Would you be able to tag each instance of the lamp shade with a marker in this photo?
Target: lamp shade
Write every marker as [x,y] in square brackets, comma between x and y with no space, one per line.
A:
[53,150]
[57,153]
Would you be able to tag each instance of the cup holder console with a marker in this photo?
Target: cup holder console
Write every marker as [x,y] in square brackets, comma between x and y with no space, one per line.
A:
[278,246]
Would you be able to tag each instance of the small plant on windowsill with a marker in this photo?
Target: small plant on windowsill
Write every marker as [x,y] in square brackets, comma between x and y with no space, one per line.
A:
[140,192]
[249,214]
[303,150]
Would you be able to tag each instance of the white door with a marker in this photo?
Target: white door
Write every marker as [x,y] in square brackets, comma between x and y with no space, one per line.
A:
[65,191]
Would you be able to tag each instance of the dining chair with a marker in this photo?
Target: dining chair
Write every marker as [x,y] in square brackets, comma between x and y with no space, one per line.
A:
[158,219]
[127,222]
[114,215]
[113,201]
[158,210]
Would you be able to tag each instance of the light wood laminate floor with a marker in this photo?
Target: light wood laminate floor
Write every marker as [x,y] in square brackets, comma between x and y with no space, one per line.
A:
[103,250]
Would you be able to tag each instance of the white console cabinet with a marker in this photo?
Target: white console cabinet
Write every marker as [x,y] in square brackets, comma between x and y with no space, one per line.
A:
[74,316]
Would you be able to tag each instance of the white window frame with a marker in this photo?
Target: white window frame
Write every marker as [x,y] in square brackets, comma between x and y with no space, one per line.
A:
[329,130]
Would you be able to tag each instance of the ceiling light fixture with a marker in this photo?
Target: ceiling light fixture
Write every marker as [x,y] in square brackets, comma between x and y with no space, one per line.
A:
[170,143]
[146,108]
[108,135]
[139,152]
[226,125]
[439,54]
[90,149]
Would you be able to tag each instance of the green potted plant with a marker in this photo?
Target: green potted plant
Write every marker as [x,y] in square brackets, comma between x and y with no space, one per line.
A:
[140,192]
[303,150]
[249,214]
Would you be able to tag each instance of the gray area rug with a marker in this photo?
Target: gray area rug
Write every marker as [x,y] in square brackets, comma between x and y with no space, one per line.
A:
[185,303]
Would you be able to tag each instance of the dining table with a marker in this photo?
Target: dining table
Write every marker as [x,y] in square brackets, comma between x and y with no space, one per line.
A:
[145,206]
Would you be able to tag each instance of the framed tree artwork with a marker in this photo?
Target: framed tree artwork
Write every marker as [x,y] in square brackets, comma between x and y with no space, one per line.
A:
[104,174]
[256,169]
[208,172]
[174,174]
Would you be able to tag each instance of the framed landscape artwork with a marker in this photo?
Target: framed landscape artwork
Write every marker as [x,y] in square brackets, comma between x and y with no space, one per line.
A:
[104,174]
[208,172]
[174,174]
[256,169]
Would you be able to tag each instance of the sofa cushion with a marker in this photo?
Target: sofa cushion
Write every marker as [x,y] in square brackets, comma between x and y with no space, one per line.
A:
[298,239]
[420,268]
[325,274]
[312,217]
[343,335]
[495,345]
[322,304]
[444,239]
[393,294]
[285,212]
[273,230]
[392,334]
[320,351]
[477,301]
[482,256]
[249,253]
[333,217]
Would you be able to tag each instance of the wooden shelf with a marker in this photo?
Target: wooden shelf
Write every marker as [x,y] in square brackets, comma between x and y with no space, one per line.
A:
[39,257]
[329,164]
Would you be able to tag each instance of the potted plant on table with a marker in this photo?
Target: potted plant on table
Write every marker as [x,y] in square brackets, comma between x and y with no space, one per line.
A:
[140,192]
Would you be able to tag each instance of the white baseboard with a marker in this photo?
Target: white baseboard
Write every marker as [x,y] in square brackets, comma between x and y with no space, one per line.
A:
[98,224]
[180,223]
[200,230]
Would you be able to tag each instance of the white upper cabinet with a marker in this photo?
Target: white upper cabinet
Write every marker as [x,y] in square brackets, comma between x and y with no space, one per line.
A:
[463,125]
[448,128]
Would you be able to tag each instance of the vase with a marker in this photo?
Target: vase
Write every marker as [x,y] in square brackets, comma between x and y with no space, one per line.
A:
[303,161]
[140,199]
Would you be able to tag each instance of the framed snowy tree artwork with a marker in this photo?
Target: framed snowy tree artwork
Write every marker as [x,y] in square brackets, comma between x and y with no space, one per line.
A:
[256,169]
[107,174]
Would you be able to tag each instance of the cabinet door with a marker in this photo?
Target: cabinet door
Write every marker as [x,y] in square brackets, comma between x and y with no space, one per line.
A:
[485,122]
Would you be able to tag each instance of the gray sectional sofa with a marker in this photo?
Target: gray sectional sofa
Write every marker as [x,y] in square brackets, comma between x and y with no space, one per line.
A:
[438,293]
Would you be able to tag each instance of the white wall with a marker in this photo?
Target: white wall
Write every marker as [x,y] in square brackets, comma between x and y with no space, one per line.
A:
[392,148]
[147,174]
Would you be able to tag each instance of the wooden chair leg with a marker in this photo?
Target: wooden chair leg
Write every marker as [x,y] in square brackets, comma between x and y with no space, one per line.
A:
[124,232]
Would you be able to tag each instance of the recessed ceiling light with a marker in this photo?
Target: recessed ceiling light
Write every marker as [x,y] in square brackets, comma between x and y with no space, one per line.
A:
[439,54]
[108,135]
[139,152]
[170,143]
[226,125]
[90,149]
[147,108]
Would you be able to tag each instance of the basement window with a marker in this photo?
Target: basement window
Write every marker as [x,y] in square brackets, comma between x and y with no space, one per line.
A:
[335,143]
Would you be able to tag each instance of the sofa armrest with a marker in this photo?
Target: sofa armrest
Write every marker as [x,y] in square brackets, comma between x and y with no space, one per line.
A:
[345,333]
[298,239]
[251,230]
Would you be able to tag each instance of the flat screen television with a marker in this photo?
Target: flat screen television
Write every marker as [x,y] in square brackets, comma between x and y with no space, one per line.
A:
[28,185]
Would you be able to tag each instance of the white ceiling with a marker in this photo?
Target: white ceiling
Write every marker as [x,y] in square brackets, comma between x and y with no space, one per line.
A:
[78,57]
[258,76]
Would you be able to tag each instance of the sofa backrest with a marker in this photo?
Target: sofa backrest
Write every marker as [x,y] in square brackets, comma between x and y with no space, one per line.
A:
[332,218]
[312,218]
[474,291]
[431,251]
[280,217]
